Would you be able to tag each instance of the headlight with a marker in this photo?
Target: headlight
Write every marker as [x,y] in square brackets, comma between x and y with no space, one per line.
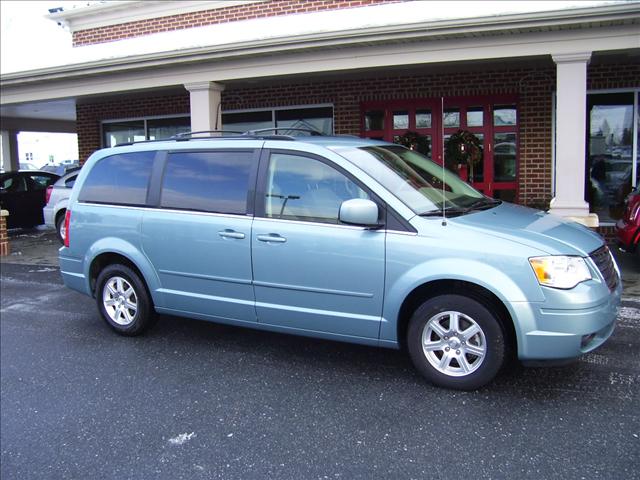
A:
[560,271]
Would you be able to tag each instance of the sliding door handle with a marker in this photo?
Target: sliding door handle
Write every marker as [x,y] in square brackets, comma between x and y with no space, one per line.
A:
[271,238]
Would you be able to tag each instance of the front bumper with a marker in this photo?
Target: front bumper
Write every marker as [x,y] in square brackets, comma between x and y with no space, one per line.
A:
[548,333]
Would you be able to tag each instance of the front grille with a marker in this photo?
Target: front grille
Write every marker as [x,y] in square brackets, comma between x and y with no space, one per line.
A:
[602,258]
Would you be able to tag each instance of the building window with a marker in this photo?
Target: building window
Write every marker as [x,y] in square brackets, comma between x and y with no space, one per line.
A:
[319,118]
[612,152]
[115,132]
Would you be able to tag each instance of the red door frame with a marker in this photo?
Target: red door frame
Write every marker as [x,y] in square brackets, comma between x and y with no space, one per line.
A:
[463,104]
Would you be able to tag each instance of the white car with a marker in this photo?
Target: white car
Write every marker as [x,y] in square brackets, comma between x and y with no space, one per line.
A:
[57,199]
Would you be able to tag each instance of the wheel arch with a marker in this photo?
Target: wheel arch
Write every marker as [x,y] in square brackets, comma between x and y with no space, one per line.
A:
[460,287]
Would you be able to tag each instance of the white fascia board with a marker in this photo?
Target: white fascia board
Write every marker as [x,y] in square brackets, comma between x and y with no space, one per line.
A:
[126,11]
[185,47]
[161,74]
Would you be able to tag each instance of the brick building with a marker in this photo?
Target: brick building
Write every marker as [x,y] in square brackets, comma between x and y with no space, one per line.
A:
[550,89]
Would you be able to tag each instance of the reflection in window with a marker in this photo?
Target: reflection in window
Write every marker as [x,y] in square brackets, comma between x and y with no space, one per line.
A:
[116,133]
[207,181]
[610,157]
[167,127]
[504,157]
[119,179]
[374,120]
[245,121]
[301,188]
[504,115]
[451,117]
[475,117]
[423,118]
[400,120]
[319,119]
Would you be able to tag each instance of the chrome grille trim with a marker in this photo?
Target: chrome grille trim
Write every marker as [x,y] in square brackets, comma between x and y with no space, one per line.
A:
[602,259]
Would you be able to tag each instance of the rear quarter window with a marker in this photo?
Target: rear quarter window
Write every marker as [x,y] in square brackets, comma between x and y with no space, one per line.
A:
[120,179]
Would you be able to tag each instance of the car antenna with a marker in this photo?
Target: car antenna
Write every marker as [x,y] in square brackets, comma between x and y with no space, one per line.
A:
[444,200]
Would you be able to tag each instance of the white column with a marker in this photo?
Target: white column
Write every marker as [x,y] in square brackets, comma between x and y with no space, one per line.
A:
[571,106]
[206,112]
[10,160]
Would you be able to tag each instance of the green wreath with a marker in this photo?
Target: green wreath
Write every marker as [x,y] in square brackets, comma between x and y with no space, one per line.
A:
[463,148]
[415,141]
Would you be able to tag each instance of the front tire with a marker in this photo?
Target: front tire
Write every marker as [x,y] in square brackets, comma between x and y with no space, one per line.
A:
[123,300]
[456,342]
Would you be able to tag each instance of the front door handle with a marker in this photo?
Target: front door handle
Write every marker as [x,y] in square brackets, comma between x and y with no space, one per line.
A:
[271,238]
[228,233]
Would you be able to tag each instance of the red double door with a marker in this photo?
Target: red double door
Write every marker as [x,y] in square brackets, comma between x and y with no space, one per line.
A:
[493,120]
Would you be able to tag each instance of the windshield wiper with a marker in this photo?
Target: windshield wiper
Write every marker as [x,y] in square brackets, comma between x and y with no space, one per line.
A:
[484,204]
[480,204]
[449,211]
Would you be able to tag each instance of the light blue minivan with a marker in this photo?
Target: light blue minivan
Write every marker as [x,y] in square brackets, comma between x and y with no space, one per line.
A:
[338,238]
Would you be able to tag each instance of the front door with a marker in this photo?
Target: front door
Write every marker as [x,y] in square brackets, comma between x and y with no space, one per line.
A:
[311,272]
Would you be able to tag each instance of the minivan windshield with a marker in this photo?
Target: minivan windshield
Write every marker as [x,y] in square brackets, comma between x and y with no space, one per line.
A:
[418,182]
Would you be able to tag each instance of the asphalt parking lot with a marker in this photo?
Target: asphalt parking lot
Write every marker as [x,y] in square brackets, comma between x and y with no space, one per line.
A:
[197,400]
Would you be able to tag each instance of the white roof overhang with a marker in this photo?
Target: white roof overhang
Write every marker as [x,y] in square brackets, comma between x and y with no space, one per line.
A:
[607,28]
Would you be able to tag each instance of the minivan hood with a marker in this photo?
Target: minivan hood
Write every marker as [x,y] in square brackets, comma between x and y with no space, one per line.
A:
[543,231]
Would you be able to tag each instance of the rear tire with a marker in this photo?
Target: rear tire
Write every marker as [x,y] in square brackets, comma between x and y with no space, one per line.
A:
[123,300]
[60,231]
[456,342]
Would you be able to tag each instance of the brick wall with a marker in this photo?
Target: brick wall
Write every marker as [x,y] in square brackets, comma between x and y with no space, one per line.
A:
[534,88]
[214,16]
[4,237]
[90,115]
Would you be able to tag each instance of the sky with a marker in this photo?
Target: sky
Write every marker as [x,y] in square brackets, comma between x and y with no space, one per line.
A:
[26,33]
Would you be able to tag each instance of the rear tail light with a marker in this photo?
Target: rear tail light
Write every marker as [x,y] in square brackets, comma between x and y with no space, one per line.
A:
[67,221]
[48,194]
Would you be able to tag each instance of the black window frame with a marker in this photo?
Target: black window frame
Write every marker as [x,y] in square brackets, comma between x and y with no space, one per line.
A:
[157,180]
[262,178]
[154,165]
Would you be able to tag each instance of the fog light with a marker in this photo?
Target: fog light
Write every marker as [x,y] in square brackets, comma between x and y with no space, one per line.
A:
[586,339]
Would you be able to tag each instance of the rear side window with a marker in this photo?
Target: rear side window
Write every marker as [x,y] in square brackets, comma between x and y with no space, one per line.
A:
[119,179]
[207,181]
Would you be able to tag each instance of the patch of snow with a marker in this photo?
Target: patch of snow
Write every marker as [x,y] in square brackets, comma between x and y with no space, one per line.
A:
[182,438]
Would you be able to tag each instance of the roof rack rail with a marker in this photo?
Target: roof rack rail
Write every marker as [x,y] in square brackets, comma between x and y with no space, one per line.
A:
[187,135]
[310,131]
[230,135]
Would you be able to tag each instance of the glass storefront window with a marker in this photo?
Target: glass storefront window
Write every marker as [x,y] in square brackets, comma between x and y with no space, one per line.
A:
[116,133]
[423,118]
[245,121]
[374,120]
[504,157]
[504,115]
[451,117]
[474,117]
[400,120]
[167,127]
[610,159]
[316,118]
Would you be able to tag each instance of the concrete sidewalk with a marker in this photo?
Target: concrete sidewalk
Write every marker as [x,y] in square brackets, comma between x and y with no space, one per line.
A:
[39,246]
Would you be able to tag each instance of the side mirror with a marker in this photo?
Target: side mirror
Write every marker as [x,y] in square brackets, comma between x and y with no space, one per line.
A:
[359,211]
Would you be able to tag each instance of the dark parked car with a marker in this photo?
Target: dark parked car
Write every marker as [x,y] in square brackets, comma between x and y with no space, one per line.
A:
[23,195]
[628,227]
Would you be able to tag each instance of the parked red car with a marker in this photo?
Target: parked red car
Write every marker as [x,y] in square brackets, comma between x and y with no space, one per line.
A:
[628,227]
